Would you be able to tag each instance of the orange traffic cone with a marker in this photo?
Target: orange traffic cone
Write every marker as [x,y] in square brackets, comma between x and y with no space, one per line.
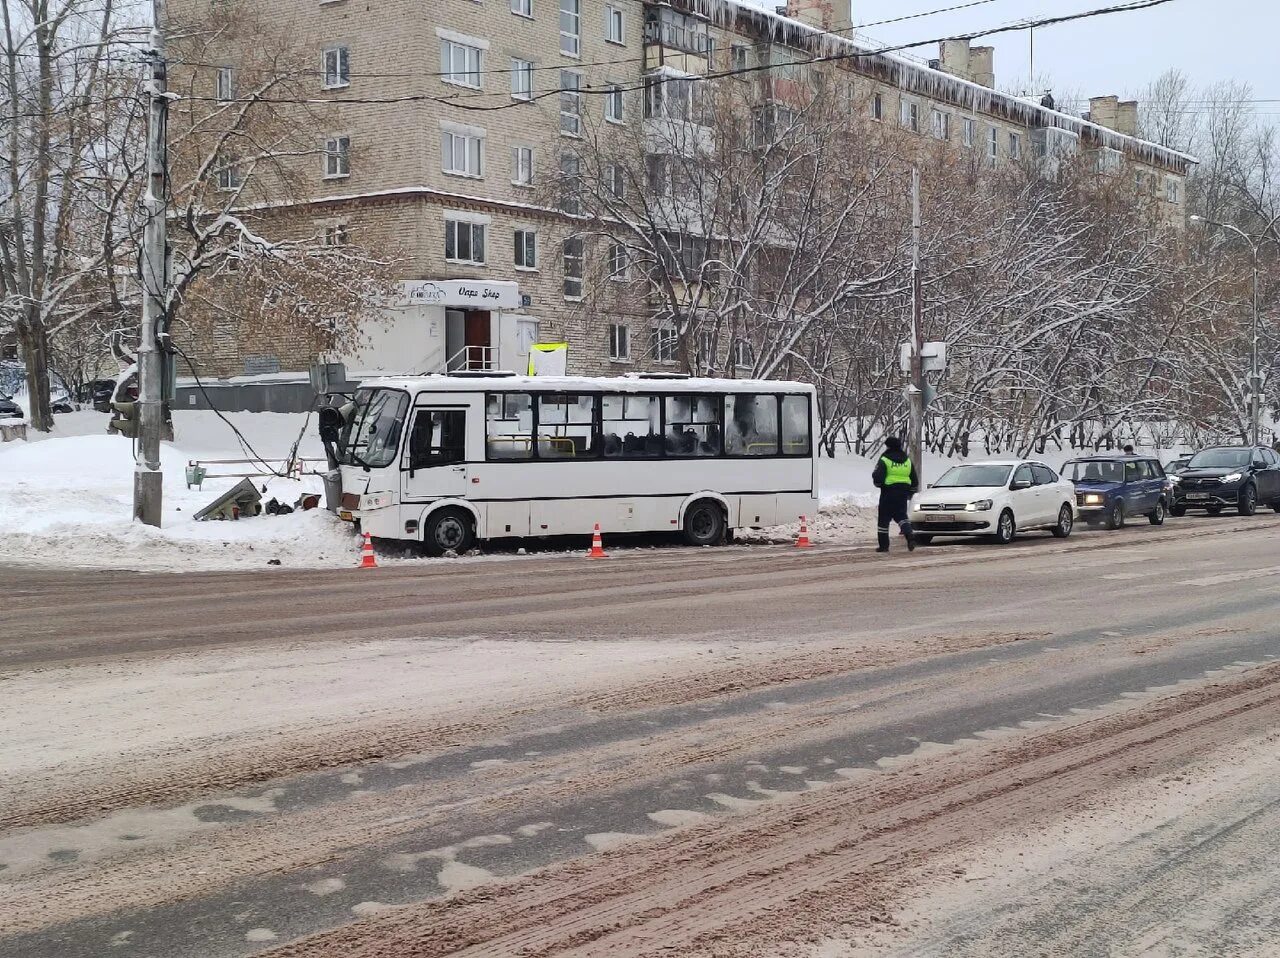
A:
[802,540]
[597,545]
[367,561]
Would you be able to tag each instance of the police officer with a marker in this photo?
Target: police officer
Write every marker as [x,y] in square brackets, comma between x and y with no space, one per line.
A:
[895,477]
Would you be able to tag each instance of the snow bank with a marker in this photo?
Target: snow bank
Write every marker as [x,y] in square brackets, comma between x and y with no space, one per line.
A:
[66,499]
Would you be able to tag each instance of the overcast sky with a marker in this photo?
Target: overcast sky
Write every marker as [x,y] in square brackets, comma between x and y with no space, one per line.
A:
[1209,40]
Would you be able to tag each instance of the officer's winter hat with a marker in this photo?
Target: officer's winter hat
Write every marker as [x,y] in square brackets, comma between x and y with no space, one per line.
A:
[893,444]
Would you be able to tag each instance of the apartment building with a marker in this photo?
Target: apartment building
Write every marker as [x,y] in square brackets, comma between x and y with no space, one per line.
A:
[450,119]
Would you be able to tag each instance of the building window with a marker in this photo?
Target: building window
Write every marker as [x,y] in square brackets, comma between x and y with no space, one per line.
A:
[677,31]
[619,343]
[224,86]
[665,344]
[228,175]
[571,27]
[613,104]
[521,79]
[464,241]
[993,144]
[739,56]
[673,98]
[617,262]
[744,354]
[613,25]
[1015,146]
[462,152]
[337,68]
[334,234]
[522,8]
[570,103]
[615,180]
[526,249]
[337,157]
[572,253]
[522,166]
[1171,190]
[967,131]
[941,125]
[910,115]
[460,64]
[571,184]
[877,106]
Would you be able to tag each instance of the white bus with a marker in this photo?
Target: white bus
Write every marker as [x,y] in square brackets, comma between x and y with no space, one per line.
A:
[447,460]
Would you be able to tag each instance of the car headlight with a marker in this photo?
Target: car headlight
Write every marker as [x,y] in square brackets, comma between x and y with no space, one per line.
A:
[1234,477]
[1175,479]
[1093,499]
[982,505]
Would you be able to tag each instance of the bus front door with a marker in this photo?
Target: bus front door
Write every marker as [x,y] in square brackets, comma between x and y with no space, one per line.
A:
[435,463]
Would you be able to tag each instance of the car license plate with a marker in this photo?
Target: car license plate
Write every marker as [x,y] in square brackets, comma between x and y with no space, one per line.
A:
[937,518]
[344,516]
[1199,497]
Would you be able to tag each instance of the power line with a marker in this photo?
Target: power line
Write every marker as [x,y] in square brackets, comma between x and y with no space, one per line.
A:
[611,89]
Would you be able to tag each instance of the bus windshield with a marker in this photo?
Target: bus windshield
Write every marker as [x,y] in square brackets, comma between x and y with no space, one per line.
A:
[372,434]
[1083,470]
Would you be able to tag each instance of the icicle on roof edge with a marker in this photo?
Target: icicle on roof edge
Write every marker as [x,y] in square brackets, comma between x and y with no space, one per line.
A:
[926,81]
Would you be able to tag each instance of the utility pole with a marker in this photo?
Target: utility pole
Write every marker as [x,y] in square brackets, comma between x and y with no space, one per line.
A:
[915,391]
[1255,373]
[148,483]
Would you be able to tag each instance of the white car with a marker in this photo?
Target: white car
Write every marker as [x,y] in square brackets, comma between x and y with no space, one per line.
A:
[996,498]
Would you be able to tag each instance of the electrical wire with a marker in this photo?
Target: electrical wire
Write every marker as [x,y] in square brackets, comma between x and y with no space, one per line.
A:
[610,89]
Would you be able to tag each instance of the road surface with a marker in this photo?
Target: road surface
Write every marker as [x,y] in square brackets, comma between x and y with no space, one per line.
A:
[968,750]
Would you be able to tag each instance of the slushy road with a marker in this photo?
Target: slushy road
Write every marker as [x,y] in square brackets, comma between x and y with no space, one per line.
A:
[738,751]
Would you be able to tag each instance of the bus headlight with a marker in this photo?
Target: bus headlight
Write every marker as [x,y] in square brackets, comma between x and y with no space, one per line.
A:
[375,501]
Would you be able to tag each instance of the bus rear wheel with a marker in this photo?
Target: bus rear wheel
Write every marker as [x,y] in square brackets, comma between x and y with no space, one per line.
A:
[704,523]
[448,529]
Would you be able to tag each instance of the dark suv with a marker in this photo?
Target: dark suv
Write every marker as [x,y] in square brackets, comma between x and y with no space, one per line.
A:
[1109,489]
[1240,477]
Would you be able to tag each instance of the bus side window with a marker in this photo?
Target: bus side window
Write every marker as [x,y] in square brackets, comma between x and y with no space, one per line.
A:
[508,426]
[795,426]
[630,426]
[566,426]
[438,438]
[693,426]
[751,425]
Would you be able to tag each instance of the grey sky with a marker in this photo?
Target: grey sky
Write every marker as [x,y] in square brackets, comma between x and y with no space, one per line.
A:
[1209,40]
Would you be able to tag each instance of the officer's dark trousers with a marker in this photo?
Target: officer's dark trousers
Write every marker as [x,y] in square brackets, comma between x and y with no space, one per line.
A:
[893,508]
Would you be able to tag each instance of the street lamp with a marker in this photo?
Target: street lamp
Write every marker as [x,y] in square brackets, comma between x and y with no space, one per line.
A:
[1255,373]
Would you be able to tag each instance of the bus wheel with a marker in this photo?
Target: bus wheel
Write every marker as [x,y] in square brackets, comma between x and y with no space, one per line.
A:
[704,523]
[449,528]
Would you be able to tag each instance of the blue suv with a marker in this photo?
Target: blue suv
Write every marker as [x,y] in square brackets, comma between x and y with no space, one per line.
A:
[1109,489]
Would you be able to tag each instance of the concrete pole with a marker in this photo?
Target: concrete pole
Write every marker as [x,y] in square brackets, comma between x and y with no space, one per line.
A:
[1255,373]
[915,391]
[147,479]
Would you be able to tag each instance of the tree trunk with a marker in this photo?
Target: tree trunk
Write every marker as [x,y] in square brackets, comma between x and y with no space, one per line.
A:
[35,353]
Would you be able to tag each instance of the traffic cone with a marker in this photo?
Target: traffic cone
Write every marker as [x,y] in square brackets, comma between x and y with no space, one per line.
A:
[802,540]
[597,545]
[367,561]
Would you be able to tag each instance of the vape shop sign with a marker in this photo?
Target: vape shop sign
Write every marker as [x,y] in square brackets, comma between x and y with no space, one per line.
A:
[463,294]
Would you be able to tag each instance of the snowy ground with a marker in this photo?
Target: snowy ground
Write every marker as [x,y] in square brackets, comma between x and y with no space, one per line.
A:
[65,500]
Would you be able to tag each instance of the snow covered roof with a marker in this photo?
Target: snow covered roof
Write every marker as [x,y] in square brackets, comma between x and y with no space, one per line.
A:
[639,383]
[927,81]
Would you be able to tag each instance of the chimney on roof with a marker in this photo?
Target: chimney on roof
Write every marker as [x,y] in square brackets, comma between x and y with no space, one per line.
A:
[1114,114]
[832,15]
[975,64]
